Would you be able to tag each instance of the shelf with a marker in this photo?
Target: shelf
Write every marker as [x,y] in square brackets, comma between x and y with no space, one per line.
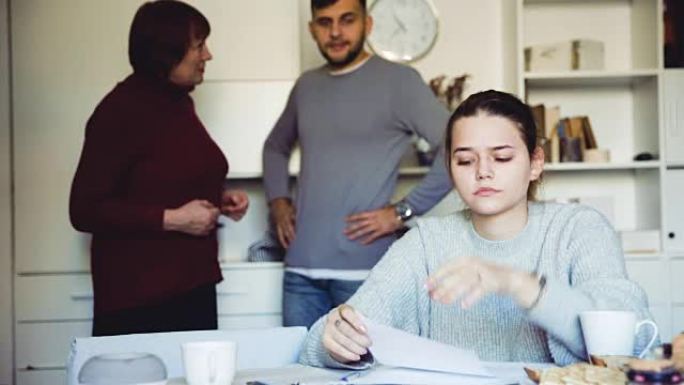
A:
[579,166]
[588,78]
[572,1]
[643,256]
[410,171]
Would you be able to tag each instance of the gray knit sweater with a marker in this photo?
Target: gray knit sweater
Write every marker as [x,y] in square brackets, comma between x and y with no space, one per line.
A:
[352,130]
[572,245]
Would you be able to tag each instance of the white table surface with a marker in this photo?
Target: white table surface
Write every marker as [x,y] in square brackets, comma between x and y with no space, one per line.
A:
[512,373]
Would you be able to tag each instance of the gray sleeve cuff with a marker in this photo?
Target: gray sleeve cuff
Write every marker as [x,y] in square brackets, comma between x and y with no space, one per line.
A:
[557,312]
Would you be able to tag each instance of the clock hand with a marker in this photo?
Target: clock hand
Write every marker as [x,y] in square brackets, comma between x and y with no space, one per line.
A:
[401,25]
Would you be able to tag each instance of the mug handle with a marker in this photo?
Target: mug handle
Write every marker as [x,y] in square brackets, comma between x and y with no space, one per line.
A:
[653,338]
[212,367]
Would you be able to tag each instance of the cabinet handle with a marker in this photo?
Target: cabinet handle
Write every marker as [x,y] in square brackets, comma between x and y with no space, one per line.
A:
[81,296]
[42,367]
[671,235]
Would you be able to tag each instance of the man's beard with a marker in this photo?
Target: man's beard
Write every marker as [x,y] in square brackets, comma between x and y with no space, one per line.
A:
[353,53]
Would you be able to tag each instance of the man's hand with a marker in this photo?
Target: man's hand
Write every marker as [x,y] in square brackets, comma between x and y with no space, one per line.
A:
[283,217]
[371,225]
[197,217]
[234,204]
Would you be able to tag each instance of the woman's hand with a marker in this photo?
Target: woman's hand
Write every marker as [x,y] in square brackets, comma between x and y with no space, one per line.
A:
[197,217]
[234,204]
[344,335]
[469,279]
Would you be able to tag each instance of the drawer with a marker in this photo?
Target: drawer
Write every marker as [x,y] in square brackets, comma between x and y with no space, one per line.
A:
[41,377]
[250,291]
[67,297]
[47,345]
[652,276]
[249,321]
[676,278]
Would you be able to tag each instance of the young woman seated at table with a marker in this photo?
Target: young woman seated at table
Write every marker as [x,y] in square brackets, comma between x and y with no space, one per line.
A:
[507,277]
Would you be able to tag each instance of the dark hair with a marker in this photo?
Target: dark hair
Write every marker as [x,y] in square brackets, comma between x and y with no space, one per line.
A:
[320,4]
[505,105]
[161,34]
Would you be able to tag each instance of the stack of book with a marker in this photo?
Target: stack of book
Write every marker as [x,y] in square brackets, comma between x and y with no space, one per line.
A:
[564,139]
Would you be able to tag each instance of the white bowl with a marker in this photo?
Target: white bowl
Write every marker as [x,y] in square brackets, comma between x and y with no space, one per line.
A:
[123,369]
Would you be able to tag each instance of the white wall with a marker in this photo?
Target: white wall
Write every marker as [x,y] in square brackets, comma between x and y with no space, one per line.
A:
[470,41]
[5,206]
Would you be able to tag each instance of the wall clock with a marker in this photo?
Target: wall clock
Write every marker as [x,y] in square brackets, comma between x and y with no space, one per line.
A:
[403,30]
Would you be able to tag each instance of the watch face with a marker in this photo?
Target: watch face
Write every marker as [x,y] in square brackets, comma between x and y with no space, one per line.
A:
[403,30]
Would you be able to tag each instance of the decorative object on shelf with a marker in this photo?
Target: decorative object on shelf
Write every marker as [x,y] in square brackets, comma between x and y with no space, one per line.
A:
[644,156]
[640,241]
[674,33]
[572,55]
[123,369]
[266,249]
[450,94]
[424,152]
[596,155]
[403,30]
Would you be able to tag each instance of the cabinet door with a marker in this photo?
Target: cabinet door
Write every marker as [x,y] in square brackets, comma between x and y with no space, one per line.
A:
[54,298]
[41,377]
[252,40]
[44,345]
[250,292]
[56,87]
[652,276]
[249,321]
[673,107]
[239,115]
[674,210]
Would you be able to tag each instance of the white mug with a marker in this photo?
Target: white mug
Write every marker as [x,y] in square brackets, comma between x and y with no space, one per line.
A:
[209,362]
[612,332]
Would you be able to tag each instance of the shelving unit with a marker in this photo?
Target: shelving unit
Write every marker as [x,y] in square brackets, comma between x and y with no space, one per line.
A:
[634,106]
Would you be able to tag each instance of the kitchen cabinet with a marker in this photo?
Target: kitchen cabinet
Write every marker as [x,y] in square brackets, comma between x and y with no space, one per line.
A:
[52,309]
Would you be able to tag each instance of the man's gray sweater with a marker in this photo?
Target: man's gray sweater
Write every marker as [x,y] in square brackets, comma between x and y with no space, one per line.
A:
[352,130]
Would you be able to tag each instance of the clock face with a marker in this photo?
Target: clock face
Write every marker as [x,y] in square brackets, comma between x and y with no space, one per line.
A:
[403,30]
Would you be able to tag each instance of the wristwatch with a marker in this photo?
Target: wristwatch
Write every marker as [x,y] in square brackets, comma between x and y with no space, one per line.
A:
[403,210]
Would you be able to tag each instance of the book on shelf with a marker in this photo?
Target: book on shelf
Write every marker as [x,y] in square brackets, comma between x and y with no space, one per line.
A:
[546,119]
[576,137]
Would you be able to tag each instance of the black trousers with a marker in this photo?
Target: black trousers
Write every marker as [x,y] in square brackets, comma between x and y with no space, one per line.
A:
[194,310]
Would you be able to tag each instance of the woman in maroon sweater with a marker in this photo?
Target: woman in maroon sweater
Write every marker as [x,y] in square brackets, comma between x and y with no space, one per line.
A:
[149,184]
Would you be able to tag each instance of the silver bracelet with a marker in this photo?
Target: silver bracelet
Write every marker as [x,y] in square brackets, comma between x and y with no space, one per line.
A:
[542,290]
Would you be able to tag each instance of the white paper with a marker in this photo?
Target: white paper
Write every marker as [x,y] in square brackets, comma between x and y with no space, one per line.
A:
[391,375]
[505,372]
[397,348]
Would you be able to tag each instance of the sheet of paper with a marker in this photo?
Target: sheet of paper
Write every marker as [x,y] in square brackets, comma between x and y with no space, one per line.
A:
[390,375]
[505,373]
[397,348]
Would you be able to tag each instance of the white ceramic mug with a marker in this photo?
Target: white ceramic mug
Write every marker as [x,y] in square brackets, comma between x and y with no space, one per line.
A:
[209,362]
[612,332]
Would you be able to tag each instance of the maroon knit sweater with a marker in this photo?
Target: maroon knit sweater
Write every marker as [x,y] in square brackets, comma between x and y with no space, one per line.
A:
[145,150]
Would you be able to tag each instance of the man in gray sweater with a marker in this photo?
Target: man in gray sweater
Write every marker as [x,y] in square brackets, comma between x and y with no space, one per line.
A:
[353,120]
